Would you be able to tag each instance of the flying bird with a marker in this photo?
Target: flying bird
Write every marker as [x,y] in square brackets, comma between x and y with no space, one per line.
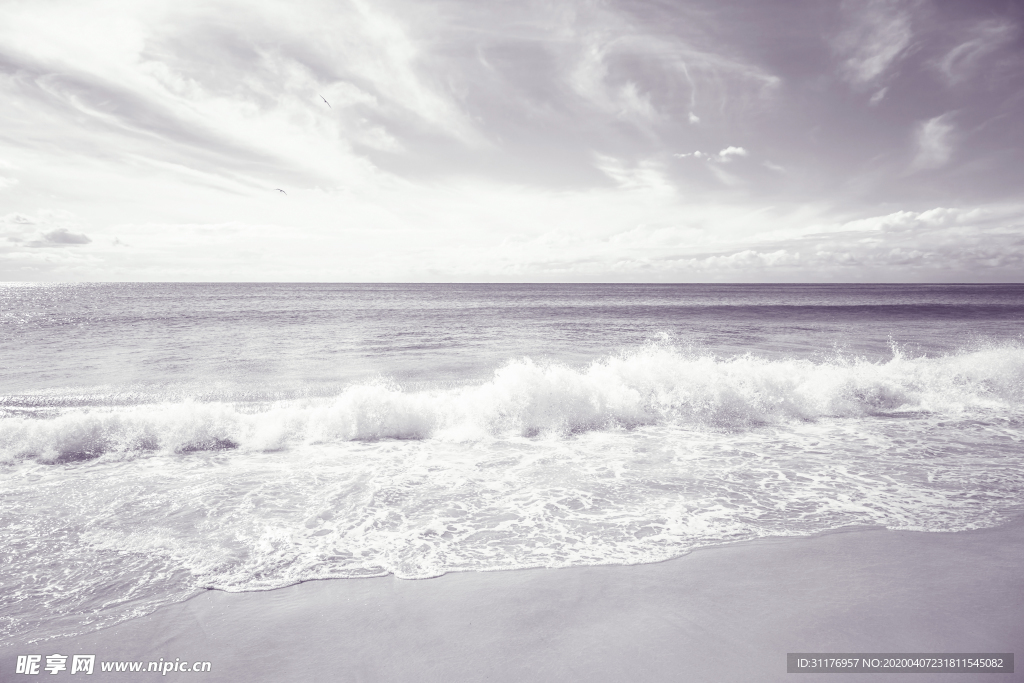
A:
[325,101]
[280,190]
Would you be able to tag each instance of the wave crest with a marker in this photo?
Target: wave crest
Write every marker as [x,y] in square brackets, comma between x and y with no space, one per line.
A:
[653,385]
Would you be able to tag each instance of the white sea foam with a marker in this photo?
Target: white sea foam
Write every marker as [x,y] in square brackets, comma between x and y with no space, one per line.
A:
[657,384]
[336,500]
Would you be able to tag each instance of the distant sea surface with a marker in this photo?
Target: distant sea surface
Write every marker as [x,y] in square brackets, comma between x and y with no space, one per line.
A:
[161,439]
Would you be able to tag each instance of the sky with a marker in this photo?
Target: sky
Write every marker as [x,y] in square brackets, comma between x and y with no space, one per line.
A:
[512,141]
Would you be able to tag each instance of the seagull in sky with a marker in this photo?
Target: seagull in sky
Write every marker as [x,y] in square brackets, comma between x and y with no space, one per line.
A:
[280,190]
[325,101]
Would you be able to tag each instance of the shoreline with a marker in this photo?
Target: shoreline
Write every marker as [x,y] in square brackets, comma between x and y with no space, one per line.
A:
[730,613]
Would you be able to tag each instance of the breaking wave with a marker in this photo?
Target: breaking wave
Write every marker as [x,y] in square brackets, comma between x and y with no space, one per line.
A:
[656,384]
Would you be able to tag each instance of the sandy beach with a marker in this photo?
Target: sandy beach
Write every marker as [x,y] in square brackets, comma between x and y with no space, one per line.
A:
[719,614]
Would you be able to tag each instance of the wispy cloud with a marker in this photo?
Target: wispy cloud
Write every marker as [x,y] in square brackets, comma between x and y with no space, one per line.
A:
[934,139]
[982,39]
[148,83]
[648,175]
[877,34]
[624,67]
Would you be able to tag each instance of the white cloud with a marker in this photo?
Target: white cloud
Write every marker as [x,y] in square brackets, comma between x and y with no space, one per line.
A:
[715,162]
[591,79]
[22,235]
[609,54]
[724,177]
[63,236]
[726,155]
[941,244]
[18,219]
[729,153]
[648,175]
[140,79]
[983,39]
[877,35]
[900,221]
[934,142]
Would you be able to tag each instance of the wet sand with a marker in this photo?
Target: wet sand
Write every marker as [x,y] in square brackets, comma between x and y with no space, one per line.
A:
[720,614]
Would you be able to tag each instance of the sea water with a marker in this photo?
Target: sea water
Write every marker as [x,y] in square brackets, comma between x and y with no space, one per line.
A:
[161,439]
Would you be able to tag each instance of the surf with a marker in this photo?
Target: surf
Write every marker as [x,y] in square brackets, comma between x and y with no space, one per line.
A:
[657,384]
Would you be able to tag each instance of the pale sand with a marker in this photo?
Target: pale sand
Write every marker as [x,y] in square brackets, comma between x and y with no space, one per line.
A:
[721,614]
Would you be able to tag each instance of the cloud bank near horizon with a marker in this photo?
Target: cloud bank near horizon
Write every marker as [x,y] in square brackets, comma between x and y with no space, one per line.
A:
[449,141]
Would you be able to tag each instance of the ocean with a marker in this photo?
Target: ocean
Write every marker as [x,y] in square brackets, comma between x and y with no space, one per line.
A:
[157,440]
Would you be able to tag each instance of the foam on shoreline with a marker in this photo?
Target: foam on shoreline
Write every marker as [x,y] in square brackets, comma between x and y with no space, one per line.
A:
[725,614]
